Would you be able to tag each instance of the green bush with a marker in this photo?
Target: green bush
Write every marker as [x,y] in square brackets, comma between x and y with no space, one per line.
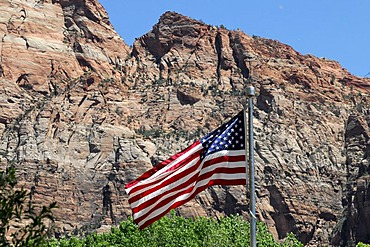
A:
[22,222]
[360,244]
[179,231]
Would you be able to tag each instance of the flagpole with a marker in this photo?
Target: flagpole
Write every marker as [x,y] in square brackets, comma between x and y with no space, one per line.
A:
[250,153]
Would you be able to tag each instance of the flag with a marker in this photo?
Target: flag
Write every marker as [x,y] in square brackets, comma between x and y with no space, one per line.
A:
[216,159]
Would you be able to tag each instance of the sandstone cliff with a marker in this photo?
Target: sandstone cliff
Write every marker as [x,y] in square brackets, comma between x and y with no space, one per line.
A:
[82,114]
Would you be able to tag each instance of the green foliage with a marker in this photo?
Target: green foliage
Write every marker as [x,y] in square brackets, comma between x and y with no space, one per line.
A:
[152,133]
[21,224]
[360,244]
[179,231]
[291,241]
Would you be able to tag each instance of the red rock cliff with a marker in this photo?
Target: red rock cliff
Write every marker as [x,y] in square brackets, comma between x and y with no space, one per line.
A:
[82,114]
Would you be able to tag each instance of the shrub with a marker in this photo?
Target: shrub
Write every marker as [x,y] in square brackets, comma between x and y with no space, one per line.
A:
[22,222]
[179,231]
[360,244]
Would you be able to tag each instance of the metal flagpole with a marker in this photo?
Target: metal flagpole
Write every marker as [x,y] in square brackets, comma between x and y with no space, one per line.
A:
[250,153]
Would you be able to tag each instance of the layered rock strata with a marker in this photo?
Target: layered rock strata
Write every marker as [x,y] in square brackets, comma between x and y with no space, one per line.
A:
[82,114]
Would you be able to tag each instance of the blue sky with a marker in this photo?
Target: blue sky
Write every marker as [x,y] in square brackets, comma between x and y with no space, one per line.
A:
[335,29]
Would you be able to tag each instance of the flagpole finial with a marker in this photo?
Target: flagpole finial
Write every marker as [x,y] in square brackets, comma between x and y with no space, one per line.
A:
[250,91]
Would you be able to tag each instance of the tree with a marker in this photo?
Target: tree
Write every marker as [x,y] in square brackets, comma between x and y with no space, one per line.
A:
[22,223]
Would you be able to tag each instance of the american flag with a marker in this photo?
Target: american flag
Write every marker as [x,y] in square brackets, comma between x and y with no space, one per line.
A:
[216,159]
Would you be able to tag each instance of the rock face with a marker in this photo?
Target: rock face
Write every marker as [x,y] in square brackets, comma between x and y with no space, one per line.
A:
[82,114]
[45,43]
[355,222]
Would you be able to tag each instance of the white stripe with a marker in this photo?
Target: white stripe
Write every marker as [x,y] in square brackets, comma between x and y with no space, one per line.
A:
[159,211]
[234,164]
[167,188]
[159,175]
[173,173]
[224,153]
[187,177]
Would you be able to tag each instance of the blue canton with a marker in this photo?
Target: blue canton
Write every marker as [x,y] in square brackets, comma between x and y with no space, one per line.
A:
[230,136]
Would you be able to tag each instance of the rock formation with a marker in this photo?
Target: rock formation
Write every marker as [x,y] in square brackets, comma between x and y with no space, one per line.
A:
[82,114]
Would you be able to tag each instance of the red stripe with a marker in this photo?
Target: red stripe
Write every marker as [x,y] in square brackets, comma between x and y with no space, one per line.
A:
[181,192]
[223,159]
[184,173]
[179,188]
[179,203]
[169,181]
[222,170]
[150,190]
[172,181]
[195,178]
[161,165]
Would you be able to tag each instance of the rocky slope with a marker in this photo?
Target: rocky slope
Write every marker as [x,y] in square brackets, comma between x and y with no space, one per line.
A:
[82,114]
